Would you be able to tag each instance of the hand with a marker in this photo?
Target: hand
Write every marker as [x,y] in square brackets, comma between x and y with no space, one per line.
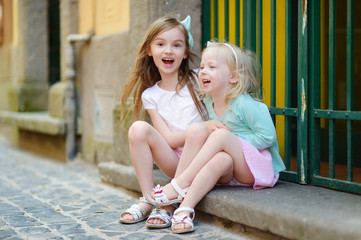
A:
[214,125]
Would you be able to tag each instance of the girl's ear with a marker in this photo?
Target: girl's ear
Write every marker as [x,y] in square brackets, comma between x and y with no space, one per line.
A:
[234,78]
[149,51]
[185,54]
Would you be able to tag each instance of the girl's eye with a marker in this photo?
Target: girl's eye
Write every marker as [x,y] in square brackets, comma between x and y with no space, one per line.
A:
[212,67]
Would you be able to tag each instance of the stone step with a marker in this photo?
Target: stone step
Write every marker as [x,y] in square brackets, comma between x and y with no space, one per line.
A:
[289,210]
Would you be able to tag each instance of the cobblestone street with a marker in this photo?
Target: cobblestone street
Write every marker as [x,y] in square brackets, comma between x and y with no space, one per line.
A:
[45,199]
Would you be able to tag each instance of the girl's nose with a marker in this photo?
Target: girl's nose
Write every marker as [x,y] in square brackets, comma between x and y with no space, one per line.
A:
[169,49]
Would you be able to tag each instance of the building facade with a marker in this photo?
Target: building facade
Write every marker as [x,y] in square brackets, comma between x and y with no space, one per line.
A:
[63,63]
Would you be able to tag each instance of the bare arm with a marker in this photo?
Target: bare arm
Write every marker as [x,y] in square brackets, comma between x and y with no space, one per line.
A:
[174,139]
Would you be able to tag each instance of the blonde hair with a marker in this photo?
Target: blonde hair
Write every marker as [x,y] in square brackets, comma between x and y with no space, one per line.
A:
[145,73]
[245,65]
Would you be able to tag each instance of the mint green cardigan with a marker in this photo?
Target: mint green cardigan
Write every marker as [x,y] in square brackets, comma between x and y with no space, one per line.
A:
[250,120]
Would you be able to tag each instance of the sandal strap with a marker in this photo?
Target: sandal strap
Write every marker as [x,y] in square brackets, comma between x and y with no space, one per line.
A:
[178,189]
[183,219]
[159,195]
[162,214]
[184,209]
[143,199]
[136,211]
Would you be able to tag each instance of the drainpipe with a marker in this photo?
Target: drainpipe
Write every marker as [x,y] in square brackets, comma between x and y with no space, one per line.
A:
[70,95]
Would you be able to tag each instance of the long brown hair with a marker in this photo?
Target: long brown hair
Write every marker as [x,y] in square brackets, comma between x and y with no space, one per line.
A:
[145,73]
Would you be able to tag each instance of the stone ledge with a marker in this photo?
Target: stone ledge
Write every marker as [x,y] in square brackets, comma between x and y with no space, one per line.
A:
[122,175]
[289,210]
[34,121]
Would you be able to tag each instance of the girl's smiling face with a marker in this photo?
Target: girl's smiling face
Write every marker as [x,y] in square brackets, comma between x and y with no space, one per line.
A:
[168,51]
[215,75]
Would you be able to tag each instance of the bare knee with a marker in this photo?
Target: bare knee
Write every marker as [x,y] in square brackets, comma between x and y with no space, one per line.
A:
[222,135]
[138,132]
[220,164]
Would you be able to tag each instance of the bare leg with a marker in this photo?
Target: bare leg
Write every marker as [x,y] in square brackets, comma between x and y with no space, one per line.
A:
[147,145]
[218,141]
[218,169]
[196,136]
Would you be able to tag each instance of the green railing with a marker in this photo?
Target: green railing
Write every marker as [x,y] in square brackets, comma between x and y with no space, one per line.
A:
[332,114]
[312,111]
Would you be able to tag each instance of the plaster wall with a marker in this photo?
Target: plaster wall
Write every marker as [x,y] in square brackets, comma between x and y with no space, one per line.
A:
[103,66]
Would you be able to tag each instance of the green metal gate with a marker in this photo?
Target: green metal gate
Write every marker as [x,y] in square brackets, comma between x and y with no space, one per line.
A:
[321,122]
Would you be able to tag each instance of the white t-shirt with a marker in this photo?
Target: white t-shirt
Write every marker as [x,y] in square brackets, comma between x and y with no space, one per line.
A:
[177,109]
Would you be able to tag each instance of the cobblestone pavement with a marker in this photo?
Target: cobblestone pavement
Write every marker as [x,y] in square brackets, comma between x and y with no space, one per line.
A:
[42,198]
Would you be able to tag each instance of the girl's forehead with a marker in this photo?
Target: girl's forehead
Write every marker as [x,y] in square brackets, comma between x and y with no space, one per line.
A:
[174,33]
[213,53]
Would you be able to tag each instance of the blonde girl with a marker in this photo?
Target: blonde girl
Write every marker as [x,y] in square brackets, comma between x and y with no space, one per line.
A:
[162,83]
[245,155]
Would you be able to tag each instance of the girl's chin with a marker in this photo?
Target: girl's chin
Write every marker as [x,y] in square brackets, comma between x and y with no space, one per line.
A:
[168,65]
[207,91]
[205,87]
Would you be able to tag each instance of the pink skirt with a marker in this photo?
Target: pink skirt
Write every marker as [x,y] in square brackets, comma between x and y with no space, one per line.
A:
[178,151]
[260,164]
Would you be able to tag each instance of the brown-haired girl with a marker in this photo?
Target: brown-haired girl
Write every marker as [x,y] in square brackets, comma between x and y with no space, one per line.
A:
[163,83]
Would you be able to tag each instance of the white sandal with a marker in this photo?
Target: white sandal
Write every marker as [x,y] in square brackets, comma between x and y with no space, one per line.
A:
[183,219]
[138,213]
[160,199]
[159,213]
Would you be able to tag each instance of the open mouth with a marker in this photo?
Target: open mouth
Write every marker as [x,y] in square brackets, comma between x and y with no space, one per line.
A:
[168,60]
[205,81]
